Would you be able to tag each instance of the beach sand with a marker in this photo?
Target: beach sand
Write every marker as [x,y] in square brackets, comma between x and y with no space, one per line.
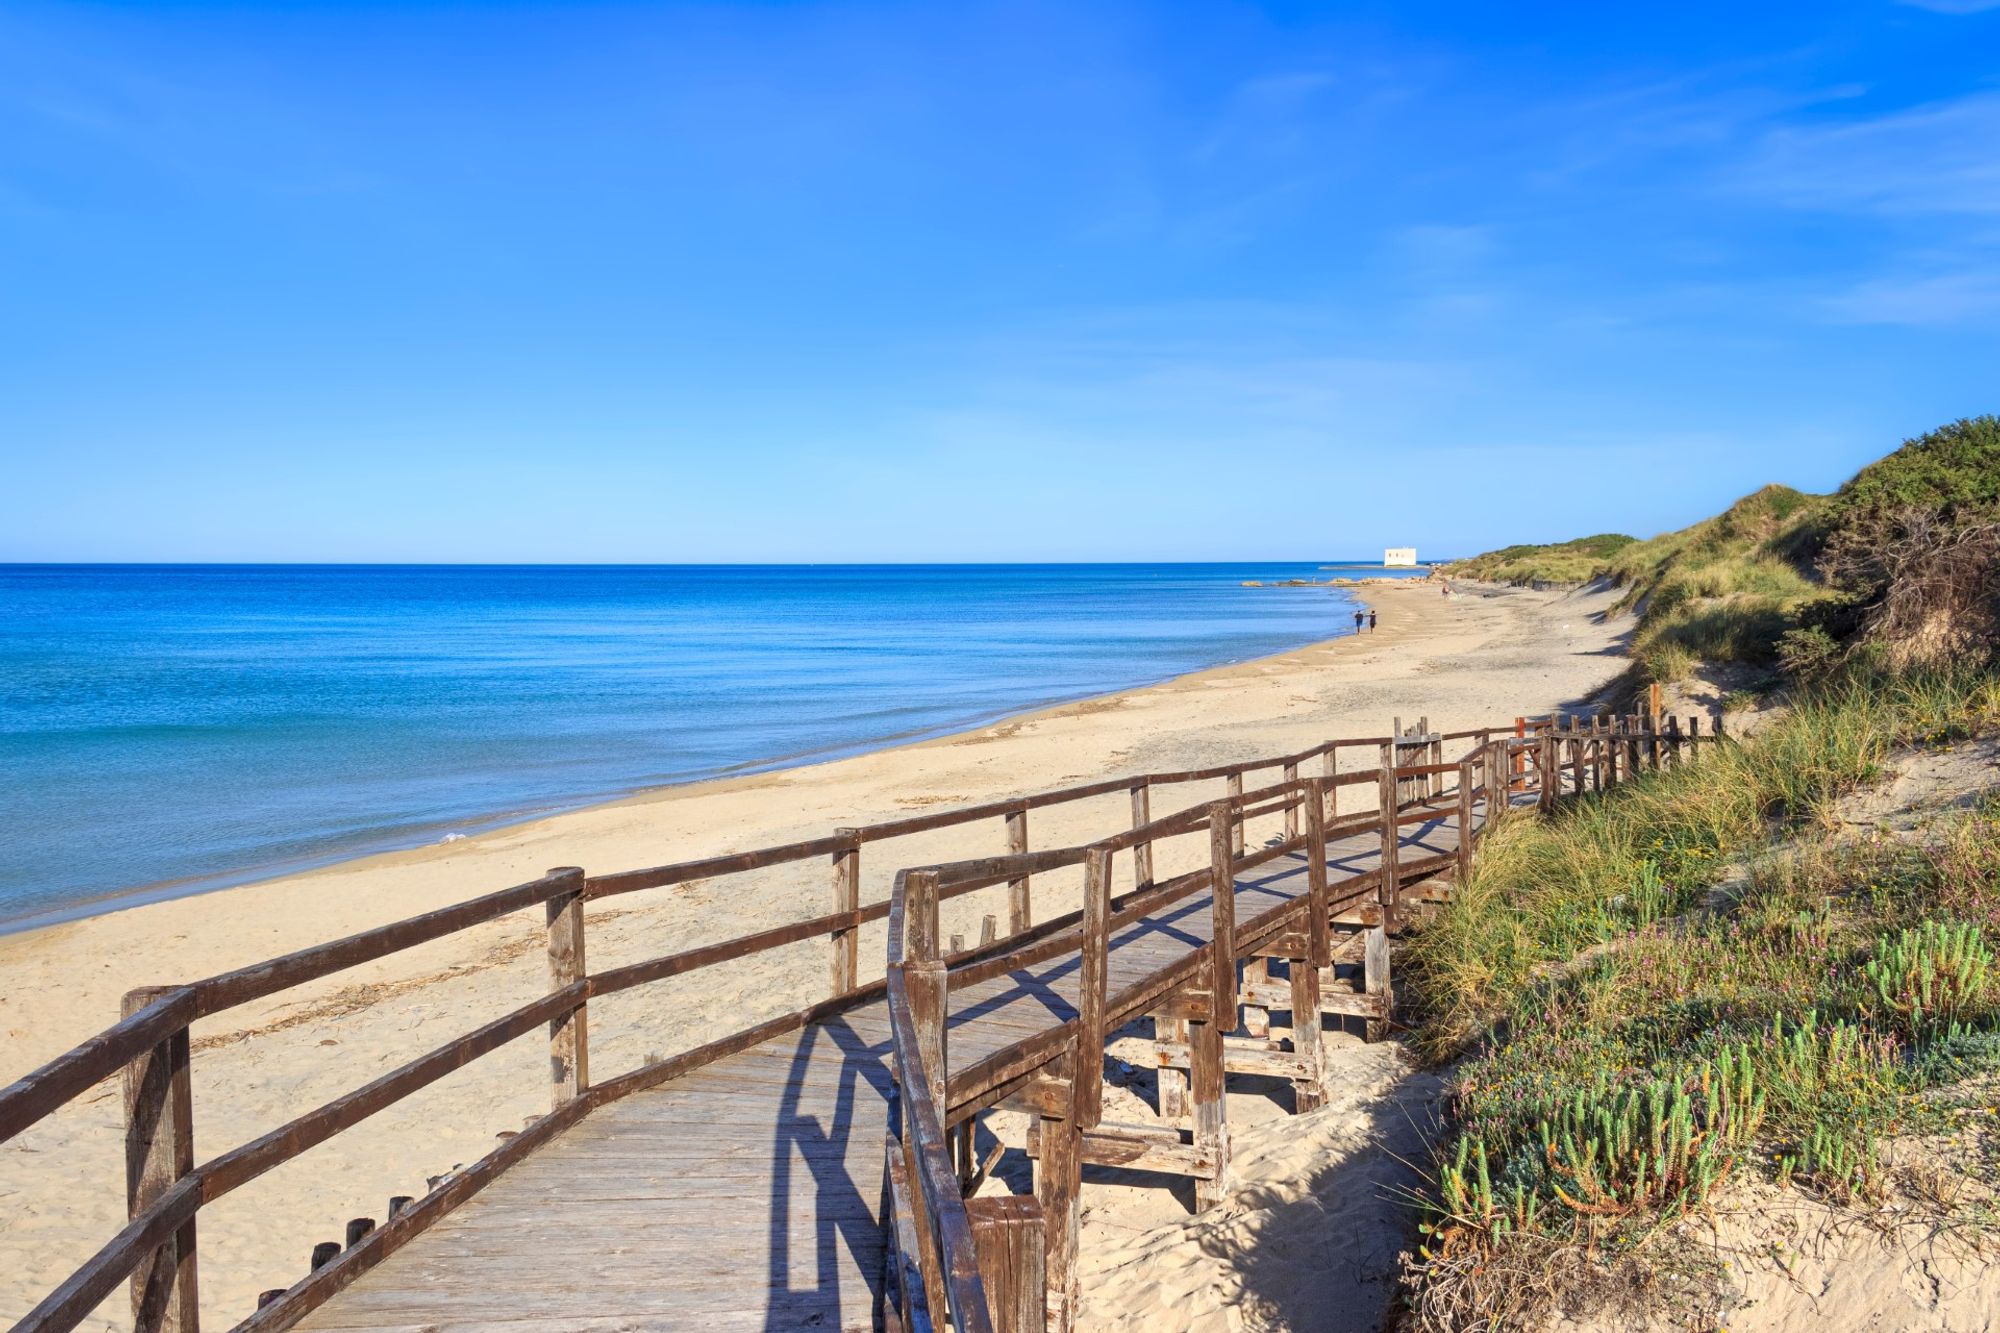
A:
[1478,658]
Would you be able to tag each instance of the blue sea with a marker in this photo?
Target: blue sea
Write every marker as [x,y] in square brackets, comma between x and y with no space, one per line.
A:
[169,729]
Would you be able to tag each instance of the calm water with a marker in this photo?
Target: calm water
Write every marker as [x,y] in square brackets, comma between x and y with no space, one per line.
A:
[170,728]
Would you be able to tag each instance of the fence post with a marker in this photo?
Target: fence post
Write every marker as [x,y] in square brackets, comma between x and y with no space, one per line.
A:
[1330,766]
[1388,886]
[1222,885]
[1551,771]
[1093,979]
[1020,908]
[1142,853]
[924,983]
[1319,929]
[1008,1242]
[569,1033]
[1465,779]
[1291,772]
[847,898]
[159,1151]
[1394,756]
[1235,789]
[1309,1091]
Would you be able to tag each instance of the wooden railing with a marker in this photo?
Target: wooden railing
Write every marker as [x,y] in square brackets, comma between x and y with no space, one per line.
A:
[977,1267]
[156,1252]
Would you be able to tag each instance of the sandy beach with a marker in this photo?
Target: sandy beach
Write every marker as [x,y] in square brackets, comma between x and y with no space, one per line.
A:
[1475,658]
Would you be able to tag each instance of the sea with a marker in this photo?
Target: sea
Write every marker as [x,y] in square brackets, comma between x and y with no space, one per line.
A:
[169,729]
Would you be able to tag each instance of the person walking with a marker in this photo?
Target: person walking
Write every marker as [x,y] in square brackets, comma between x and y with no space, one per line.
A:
[1371,622]
[1357,622]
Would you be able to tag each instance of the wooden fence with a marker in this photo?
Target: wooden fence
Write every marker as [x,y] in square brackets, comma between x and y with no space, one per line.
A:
[984,1261]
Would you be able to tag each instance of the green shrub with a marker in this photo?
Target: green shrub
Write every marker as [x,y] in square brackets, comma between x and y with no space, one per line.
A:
[1807,652]
[1931,979]
[1786,1027]
[1576,561]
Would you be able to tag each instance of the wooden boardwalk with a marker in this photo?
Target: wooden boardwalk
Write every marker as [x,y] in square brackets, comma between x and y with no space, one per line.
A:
[749,1194]
[818,1170]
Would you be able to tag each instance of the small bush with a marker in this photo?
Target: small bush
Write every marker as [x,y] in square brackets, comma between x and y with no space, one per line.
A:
[1932,978]
[1807,653]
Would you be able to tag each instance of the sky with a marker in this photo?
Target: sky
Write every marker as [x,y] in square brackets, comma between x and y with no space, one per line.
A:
[926,281]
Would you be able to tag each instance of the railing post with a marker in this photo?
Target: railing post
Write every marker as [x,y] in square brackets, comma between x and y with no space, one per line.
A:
[159,1151]
[1550,770]
[847,898]
[1309,1091]
[569,1033]
[1222,883]
[924,981]
[1008,1241]
[1142,853]
[1291,772]
[1093,980]
[1389,886]
[1020,909]
[1319,930]
[1330,765]
[1235,789]
[1059,1192]
[1466,771]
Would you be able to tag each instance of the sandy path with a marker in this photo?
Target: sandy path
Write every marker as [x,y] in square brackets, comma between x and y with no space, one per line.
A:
[1464,661]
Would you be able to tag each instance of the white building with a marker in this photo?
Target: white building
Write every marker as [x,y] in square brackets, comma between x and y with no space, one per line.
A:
[1399,555]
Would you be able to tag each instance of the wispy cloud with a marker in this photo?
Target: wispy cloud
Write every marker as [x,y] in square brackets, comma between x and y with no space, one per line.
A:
[1954,6]
[1954,299]
[1933,159]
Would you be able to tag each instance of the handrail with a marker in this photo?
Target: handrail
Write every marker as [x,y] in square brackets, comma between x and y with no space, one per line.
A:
[162,1204]
[928,1113]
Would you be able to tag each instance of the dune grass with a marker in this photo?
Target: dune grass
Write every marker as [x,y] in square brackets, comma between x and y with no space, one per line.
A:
[1569,562]
[1635,1043]
[1727,589]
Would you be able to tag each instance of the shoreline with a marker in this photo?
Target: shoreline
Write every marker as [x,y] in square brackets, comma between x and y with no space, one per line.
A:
[1462,661]
[162,891]
[387,840]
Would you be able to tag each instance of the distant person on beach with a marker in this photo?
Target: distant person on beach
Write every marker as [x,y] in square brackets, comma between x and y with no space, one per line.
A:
[1371,622]
[1357,622]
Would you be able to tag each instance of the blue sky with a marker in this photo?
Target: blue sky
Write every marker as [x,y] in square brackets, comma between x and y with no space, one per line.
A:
[928,281]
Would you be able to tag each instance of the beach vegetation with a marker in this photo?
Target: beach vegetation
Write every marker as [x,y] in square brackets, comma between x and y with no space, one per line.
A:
[1703,976]
[1551,563]
[1901,564]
